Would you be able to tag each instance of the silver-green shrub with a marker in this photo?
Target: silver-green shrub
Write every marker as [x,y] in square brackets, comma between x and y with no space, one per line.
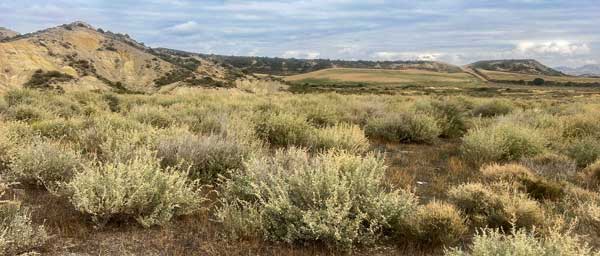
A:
[341,136]
[335,198]
[407,127]
[138,188]
[525,243]
[501,142]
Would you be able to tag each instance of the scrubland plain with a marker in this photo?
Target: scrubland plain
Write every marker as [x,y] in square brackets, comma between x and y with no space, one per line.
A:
[259,170]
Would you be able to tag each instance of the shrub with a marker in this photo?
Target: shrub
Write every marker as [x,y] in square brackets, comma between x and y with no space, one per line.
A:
[502,142]
[151,115]
[584,151]
[138,189]
[450,116]
[486,207]
[335,198]
[17,233]
[404,127]
[493,108]
[342,136]
[593,173]
[538,81]
[46,79]
[589,214]
[550,165]
[536,187]
[439,223]
[26,113]
[44,163]
[524,243]
[19,96]
[581,126]
[285,129]
[206,156]
[57,128]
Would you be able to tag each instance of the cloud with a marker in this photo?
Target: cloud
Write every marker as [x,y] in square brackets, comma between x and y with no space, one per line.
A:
[186,27]
[425,56]
[553,47]
[301,54]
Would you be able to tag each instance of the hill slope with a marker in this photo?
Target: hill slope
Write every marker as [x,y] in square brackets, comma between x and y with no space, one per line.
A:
[531,67]
[285,67]
[78,56]
[7,33]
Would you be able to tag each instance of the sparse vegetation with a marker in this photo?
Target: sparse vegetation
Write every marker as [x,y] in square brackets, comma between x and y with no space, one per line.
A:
[265,170]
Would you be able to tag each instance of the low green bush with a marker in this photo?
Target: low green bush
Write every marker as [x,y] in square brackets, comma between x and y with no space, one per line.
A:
[525,243]
[57,128]
[406,127]
[584,151]
[334,198]
[493,108]
[18,235]
[341,136]
[25,113]
[155,116]
[525,180]
[206,156]
[501,142]
[450,115]
[285,129]
[486,207]
[439,223]
[44,162]
[138,188]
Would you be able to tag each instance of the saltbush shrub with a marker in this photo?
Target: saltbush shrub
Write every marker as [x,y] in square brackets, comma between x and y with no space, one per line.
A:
[493,108]
[285,129]
[18,235]
[43,162]
[524,243]
[502,142]
[450,115]
[525,180]
[582,126]
[404,127]
[341,136]
[25,113]
[584,151]
[138,188]
[57,128]
[439,223]
[155,116]
[206,156]
[592,173]
[487,207]
[552,166]
[335,198]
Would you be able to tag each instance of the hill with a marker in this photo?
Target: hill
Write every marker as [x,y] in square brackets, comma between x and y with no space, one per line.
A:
[7,33]
[78,56]
[286,67]
[528,66]
[586,70]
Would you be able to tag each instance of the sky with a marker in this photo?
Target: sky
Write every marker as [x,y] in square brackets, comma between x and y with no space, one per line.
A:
[556,32]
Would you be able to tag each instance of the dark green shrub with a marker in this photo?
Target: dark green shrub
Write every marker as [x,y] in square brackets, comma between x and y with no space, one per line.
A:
[404,127]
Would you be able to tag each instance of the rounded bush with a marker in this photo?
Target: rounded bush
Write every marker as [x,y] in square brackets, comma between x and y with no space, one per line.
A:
[493,108]
[404,128]
[285,129]
[206,156]
[137,188]
[502,142]
[155,116]
[486,207]
[584,151]
[44,163]
[335,198]
[439,223]
[593,174]
[341,136]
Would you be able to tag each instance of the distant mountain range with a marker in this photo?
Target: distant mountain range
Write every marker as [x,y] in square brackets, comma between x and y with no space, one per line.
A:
[587,70]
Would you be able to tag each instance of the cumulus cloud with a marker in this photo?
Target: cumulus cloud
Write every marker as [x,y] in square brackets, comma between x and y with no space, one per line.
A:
[553,47]
[301,54]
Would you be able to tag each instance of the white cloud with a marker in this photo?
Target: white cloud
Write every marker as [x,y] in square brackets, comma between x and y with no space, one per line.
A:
[185,27]
[426,56]
[301,54]
[553,47]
